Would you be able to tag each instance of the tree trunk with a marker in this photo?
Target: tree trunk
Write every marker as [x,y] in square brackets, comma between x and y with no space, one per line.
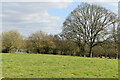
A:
[116,57]
[84,55]
[79,51]
[116,50]
[38,51]
[90,52]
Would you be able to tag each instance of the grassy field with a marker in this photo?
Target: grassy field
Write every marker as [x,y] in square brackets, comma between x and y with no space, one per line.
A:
[56,66]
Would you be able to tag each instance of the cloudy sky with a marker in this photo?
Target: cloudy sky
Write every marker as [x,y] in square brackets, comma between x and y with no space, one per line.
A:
[46,15]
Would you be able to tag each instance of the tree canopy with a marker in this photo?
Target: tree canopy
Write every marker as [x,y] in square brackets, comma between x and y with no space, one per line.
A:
[89,24]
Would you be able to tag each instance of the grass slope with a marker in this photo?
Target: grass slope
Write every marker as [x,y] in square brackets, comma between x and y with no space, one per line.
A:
[56,66]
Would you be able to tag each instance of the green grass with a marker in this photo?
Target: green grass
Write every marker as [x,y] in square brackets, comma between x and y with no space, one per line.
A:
[56,66]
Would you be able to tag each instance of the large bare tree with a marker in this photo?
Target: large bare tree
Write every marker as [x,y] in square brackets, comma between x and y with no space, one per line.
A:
[88,24]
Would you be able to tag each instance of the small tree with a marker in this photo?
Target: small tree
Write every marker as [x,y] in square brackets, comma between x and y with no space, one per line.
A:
[41,42]
[11,41]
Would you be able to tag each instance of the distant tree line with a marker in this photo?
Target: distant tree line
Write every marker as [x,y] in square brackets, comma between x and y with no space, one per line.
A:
[89,31]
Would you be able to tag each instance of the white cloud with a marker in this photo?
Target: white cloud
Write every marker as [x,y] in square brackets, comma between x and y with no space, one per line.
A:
[29,17]
[114,4]
[60,0]
[96,0]
[1,15]
[40,18]
[101,2]
[37,1]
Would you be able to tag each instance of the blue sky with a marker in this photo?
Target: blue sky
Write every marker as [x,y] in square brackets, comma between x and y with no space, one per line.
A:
[28,17]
